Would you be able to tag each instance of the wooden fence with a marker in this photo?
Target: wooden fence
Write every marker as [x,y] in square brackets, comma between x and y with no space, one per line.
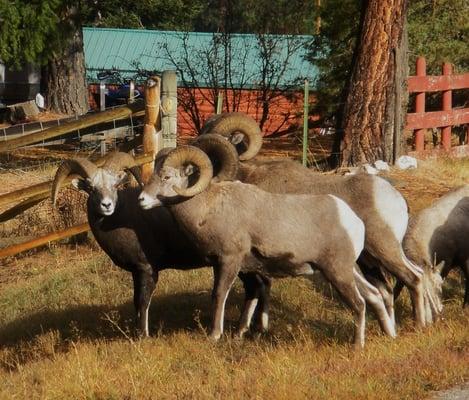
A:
[420,120]
[152,141]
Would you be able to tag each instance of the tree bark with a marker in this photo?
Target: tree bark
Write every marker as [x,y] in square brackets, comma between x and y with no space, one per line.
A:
[65,79]
[369,120]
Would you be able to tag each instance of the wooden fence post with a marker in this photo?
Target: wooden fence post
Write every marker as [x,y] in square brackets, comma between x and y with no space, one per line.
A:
[305,122]
[131,91]
[447,105]
[219,103]
[421,70]
[102,96]
[169,105]
[151,139]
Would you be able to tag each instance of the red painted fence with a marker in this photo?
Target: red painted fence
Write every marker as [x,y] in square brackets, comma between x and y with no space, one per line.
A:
[444,119]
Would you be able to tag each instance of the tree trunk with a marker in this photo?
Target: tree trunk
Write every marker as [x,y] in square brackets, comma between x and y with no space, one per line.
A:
[66,89]
[369,119]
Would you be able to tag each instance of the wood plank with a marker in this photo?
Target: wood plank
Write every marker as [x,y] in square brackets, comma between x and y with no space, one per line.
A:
[83,122]
[437,83]
[22,207]
[437,119]
[41,241]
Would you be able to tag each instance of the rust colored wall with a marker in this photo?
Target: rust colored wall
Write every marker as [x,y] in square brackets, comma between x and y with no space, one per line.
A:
[285,115]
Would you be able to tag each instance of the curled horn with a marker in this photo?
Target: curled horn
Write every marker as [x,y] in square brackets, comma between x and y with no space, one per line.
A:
[222,154]
[120,161]
[76,166]
[160,157]
[227,124]
[184,155]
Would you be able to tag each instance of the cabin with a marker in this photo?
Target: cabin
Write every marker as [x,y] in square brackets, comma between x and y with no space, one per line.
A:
[238,72]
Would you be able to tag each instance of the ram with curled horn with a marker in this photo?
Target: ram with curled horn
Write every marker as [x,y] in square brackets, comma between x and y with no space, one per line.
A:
[381,207]
[242,228]
[141,242]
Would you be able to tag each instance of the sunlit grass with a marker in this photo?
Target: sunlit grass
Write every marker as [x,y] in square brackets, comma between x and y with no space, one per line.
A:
[66,332]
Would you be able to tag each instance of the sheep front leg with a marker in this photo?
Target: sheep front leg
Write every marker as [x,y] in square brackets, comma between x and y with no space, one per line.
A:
[374,298]
[224,275]
[144,284]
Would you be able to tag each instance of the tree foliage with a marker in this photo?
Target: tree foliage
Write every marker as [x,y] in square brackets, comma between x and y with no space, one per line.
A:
[437,29]
[27,30]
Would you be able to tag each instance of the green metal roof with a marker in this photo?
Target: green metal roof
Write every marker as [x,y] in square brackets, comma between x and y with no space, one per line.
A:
[128,50]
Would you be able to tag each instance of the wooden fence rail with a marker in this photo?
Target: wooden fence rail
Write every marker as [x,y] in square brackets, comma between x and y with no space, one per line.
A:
[134,109]
[43,240]
[445,119]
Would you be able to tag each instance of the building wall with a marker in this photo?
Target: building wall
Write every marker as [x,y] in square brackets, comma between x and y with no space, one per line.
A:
[285,111]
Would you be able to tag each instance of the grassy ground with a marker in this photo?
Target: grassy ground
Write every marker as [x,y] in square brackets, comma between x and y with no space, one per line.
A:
[66,332]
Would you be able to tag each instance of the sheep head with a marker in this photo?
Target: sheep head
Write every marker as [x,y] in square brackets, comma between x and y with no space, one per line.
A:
[185,172]
[101,184]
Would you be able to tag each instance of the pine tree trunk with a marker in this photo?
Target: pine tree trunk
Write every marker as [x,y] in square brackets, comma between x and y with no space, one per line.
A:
[369,121]
[66,89]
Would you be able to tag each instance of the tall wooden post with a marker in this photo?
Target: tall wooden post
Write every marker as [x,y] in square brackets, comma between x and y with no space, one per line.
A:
[421,70]
[169,108]
[131,91]
[305,122]
[219,103]
[447,105]
[151,139]
[102,96]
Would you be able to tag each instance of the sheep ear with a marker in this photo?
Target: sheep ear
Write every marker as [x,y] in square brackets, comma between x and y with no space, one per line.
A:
[189,169]
[236,138]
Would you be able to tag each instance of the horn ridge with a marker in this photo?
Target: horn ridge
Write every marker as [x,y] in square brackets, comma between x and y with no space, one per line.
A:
[184,155]
[75,166]
[226,124]
[222,153]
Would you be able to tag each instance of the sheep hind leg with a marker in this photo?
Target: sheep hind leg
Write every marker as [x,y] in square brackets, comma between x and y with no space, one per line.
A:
[261,316]
[395,262]
[373,297]
[144,285]
[345,284]
[252,288]
[374,275]
[256,303]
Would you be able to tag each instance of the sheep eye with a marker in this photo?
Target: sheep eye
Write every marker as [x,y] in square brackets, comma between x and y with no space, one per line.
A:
[165,178]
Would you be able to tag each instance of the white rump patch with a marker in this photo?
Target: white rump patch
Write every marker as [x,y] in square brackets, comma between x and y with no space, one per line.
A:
[352,224]
[392,207]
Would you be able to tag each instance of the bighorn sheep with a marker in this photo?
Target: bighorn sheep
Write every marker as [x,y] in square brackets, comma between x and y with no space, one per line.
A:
[240,227]
[437,238]
[381,207]
[141,242]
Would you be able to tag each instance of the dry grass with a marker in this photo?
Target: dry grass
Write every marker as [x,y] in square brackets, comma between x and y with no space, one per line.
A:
[66,333]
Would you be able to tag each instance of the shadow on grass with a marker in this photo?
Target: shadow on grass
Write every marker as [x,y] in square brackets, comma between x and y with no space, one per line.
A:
[168,314]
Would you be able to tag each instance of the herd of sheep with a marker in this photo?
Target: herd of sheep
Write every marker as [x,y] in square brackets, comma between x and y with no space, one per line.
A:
[212,203]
